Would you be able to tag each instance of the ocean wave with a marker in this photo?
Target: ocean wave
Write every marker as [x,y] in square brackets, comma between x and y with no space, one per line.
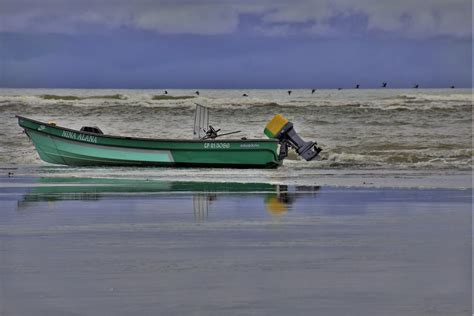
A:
[171,97]
[77,98]
[430,97]
[457,159]
[454,97]
[162,101]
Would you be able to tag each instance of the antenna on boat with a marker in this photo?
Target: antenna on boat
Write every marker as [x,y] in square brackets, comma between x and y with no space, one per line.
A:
[201,122]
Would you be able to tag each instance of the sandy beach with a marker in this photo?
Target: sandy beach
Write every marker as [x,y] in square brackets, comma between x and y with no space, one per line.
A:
[82,246]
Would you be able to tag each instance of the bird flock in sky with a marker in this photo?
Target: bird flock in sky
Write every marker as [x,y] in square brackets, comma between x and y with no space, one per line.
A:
[357,86]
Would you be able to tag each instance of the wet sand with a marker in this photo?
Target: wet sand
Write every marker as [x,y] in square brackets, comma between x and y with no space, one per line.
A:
[118,247]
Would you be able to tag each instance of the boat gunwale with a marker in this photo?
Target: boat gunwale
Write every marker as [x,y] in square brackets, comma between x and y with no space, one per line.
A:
[143,138]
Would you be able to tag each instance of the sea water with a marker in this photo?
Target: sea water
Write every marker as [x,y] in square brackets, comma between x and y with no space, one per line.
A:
[366,134]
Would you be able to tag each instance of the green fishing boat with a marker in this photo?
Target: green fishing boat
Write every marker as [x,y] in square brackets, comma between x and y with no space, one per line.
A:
[89,146]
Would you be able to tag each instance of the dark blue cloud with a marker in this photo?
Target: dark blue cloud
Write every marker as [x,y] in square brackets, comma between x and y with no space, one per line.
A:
[262,44]
[146,60]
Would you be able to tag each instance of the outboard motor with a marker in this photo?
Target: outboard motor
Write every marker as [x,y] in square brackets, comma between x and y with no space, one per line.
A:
[280,128]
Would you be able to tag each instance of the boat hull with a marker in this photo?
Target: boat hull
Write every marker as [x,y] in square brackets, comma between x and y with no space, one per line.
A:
[64,146]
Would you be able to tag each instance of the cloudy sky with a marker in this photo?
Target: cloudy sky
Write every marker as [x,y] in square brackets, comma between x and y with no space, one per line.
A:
[235,44]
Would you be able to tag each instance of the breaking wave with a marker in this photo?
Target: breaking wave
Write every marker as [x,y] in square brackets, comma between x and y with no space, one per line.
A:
[76,98]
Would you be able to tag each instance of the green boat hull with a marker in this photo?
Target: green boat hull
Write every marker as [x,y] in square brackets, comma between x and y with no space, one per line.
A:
[59,145]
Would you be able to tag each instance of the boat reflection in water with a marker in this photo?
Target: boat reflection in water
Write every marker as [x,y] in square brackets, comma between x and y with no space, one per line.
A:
[163,195]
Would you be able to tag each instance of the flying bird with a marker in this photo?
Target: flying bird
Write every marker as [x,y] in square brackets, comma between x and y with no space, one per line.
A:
[416,86]
[452,87]
[384,85]
[357,86]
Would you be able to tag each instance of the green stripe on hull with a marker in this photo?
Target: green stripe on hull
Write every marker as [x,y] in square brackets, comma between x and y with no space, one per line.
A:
[69,147]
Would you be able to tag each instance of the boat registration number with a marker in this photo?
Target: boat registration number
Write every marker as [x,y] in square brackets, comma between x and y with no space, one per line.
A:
[216,145]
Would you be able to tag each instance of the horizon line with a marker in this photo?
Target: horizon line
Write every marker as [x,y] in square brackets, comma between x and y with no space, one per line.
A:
[241,88]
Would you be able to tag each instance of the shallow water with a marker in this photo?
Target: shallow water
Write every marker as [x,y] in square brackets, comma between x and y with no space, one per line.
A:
[121,247]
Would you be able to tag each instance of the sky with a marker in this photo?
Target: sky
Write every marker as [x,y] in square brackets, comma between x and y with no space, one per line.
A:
[166,44]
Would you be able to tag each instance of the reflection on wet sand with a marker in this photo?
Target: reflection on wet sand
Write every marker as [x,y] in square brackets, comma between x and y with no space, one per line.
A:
[201,205]
[277,198]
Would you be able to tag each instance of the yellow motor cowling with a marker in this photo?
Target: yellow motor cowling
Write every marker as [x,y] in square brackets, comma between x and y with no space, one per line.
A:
[275,126]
